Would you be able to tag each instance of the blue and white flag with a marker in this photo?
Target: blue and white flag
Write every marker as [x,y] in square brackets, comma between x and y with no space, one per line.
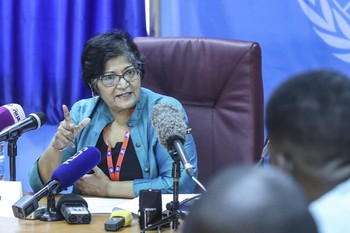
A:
[295,35]
[331,22]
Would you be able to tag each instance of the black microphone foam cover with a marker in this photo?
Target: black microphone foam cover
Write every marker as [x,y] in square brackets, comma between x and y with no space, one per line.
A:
[74,209]
[40,117]
[72,199]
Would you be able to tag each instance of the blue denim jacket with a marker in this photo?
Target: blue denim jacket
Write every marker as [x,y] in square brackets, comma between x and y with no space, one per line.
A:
[155,161]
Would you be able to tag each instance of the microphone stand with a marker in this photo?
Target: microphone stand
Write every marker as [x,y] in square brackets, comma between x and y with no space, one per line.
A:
[173,206]
[12,153]
[51,213]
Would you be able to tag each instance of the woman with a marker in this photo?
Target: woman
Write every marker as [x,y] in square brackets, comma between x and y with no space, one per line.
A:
[112,70]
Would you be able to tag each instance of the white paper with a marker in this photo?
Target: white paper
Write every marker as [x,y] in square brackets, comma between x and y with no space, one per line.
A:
[106,205]
[10,193]
[98,205]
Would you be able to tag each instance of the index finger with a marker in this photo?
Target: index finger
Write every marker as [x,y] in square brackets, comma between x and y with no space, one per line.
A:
[66,113]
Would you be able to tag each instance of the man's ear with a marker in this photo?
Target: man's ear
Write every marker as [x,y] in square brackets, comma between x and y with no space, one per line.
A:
[279,156]
[284,162]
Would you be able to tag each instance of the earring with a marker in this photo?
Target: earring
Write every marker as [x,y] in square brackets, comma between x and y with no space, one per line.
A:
[94,97]
[93,94]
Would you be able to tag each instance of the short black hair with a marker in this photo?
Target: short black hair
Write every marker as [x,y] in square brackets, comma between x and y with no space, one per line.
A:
[104,46]
[312,110]
[249,199]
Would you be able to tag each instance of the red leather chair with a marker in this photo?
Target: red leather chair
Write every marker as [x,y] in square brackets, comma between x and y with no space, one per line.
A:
[219,82]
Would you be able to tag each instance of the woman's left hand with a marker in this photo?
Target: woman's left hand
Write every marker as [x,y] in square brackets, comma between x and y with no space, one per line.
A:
[95,184]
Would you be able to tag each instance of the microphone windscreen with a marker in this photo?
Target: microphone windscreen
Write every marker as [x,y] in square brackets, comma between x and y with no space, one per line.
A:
[76,166]
[122,214]
[39,117]
[10,114]
[168,123]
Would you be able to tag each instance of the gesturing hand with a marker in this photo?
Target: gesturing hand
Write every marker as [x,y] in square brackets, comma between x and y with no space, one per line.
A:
[67,131]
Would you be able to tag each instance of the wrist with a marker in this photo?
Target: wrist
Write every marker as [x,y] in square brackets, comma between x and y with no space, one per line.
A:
[56,148]
[106,189]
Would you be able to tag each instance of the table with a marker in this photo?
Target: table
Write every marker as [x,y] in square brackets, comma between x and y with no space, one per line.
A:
[15,225]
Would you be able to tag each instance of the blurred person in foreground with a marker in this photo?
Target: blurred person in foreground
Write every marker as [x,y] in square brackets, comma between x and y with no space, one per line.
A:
[249,199]
[308,124]
[115,119]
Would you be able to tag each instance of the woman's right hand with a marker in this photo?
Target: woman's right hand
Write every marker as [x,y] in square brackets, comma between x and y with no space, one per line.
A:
[67,131]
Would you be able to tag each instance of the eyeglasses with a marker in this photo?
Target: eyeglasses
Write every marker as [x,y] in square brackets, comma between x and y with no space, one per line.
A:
[110,80]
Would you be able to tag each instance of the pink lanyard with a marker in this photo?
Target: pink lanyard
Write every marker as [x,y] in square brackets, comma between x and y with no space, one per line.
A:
[114,174]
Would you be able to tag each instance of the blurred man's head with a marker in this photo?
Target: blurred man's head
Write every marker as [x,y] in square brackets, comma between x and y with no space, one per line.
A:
[308,124]
[248,199]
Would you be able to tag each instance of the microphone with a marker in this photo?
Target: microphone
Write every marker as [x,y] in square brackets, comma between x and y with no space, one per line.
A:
[63,177]
[150,208]
[33,121]
[74,209]
[76,166]
[265,152]
[10,114]
[171,130]
[118,219]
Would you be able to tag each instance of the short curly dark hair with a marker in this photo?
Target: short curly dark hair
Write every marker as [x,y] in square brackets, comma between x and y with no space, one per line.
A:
[104,46]
[312,110]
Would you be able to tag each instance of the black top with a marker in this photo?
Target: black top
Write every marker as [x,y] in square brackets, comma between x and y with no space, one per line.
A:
[130,168]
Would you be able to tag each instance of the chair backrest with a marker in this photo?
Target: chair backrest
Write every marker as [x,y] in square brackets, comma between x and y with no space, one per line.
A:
[219,82]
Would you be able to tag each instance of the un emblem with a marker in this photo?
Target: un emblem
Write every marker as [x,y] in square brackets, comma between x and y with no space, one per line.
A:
[331,19]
